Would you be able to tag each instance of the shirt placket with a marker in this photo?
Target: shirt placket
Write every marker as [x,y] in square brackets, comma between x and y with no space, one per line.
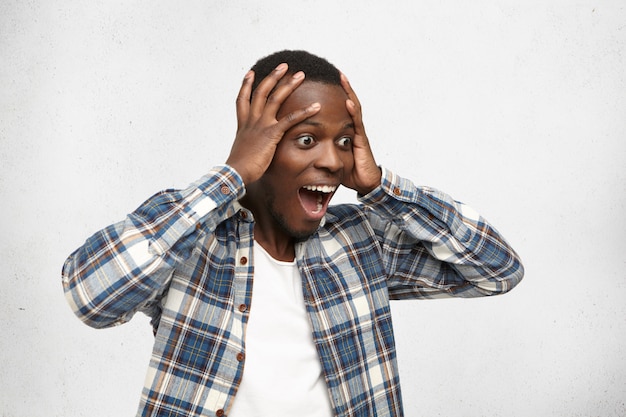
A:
[242,296]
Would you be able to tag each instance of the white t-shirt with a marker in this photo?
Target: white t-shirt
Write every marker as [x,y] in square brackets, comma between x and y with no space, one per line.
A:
[282,374]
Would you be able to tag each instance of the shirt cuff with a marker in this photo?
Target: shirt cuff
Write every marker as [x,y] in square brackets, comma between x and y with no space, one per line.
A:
[393,189]
[222,184]
[219,188]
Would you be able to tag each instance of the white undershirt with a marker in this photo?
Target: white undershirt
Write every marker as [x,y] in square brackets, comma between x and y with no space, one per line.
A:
[282,373]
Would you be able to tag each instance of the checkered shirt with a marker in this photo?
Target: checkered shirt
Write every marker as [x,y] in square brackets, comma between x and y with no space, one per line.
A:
[185,258]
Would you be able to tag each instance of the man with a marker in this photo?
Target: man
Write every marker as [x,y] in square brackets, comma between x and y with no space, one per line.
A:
[266,300]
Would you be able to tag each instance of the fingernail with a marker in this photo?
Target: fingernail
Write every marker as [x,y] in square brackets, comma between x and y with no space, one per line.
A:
[298,75]
[281,67]
[315,106]
[248,75]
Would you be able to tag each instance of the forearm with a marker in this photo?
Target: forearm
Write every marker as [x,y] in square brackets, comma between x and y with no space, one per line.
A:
[127,266]
[458,250]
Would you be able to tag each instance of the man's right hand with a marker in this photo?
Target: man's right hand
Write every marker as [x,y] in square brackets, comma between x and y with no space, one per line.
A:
[258,130]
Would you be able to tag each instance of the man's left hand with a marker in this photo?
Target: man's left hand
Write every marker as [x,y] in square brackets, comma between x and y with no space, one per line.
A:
[366,174]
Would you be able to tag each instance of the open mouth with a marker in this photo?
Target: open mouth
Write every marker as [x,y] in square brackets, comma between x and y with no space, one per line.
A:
[315,198]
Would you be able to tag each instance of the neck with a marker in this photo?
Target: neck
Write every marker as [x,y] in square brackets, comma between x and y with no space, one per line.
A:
[268,233]
[281,251]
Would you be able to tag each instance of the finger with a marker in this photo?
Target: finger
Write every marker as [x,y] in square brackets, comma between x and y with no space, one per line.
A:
[290,120]
[355,112]
[353,105]
[243,98]
[264,89]
[345,83]
[280,94]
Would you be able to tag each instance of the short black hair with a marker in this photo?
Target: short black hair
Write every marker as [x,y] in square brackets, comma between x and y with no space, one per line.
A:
[314,67]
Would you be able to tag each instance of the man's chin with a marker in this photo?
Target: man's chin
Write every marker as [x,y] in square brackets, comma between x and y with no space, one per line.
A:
[301,233]
[297,232]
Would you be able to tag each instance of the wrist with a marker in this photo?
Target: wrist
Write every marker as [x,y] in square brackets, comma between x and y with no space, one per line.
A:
[239,169]
[373,183]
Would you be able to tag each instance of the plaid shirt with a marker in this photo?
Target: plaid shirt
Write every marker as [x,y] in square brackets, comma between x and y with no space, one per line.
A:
[185,258]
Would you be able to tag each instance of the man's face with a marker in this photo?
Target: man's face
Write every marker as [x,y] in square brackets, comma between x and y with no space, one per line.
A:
[310,161]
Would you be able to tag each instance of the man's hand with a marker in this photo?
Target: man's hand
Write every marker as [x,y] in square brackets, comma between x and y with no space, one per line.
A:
[366,174]
[258,130]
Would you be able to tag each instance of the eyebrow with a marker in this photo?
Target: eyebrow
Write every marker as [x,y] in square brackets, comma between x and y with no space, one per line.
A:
[349,125]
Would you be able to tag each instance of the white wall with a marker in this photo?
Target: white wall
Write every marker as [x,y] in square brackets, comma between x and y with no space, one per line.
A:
[516,108]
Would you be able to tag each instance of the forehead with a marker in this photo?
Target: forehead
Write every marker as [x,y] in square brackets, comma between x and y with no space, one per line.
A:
[331,97]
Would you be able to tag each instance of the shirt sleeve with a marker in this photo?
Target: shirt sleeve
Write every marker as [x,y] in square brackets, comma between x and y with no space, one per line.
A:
[434,246]
[127,266]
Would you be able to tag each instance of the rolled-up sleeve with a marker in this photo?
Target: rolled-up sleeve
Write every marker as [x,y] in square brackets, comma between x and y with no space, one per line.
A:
[434,246]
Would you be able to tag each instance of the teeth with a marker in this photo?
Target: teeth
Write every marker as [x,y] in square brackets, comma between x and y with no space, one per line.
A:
[321,188]
[319,204]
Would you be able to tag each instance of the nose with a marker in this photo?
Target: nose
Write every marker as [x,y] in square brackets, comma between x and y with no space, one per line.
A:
[329,157]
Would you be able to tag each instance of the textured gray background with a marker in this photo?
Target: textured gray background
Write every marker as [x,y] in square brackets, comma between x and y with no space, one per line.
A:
[516,108]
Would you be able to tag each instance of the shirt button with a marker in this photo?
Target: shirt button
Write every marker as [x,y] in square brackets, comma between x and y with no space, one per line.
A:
[240,356]
[225,190]
[219,413]
[243,307]
[243,260]
[244,215]
[198,226]
[397,191]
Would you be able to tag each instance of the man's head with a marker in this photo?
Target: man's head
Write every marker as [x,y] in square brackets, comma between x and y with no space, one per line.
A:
[316,69]
[313,156]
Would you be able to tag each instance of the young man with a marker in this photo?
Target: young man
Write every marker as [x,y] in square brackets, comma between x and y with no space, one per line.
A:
[264,299]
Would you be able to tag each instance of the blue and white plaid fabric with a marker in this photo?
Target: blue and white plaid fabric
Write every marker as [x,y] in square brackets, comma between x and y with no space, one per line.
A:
[185,258]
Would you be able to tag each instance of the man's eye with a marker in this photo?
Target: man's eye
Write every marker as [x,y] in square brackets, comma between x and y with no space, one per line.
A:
[345,142]
[305,140]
